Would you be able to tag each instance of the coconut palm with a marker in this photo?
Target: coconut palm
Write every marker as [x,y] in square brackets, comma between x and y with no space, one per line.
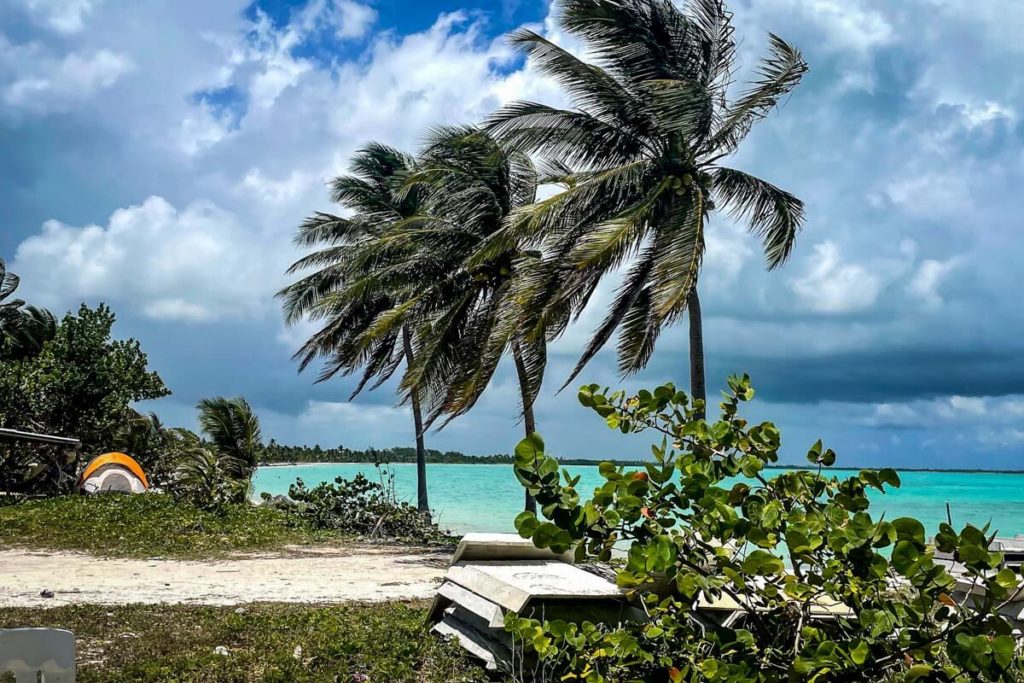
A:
[465,307]
[345,291]
[641,159]
[23,329]
[233,432]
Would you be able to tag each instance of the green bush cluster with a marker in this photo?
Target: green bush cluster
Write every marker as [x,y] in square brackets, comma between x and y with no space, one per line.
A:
[823,589]
[363,507]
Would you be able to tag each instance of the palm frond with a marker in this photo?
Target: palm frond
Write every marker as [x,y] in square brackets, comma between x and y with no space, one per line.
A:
[771,213]
[779,72]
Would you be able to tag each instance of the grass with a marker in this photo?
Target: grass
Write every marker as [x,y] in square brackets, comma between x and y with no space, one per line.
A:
[355,643]
[151,526]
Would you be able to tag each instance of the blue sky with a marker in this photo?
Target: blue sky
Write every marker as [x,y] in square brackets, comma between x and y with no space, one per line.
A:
[158,155]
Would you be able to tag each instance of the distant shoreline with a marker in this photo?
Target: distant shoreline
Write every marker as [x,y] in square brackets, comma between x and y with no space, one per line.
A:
[639,463]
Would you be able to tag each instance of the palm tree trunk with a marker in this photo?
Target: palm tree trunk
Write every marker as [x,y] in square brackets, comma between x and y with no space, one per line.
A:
[697,390]
[530,505]
[422,504]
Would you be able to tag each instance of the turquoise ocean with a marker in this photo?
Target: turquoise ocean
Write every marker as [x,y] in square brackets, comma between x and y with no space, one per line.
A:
[488,497]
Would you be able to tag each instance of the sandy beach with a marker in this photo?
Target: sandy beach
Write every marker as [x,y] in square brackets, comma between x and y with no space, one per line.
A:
[301,574]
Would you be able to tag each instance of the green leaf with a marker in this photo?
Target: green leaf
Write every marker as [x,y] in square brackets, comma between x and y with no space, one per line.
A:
[859,653]
[530,449]
[909,529]
[762,563]
[905,557]
[889,476]
[917,672]
[526,524]
[814,455]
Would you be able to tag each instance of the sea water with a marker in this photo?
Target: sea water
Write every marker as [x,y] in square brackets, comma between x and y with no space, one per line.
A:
[488,497]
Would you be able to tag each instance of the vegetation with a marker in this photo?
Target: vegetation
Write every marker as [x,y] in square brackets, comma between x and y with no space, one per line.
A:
[264,642]
[150,526]
[80,384]
[640,159]
[342,291]
[23,329]
[277,453]
[216,469]
[782,549]
[363,508]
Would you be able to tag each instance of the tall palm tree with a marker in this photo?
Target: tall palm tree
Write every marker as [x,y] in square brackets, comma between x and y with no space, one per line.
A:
[464,304]
[641,158]
[345,291]
[23,329]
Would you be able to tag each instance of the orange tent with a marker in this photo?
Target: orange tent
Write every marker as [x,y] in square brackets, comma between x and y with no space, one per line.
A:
[113,472]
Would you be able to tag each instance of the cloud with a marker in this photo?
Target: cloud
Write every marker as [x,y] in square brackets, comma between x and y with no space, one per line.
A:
[188,265]
[63,16]
[33,79]
[832,286]
[929,277]
[906,152]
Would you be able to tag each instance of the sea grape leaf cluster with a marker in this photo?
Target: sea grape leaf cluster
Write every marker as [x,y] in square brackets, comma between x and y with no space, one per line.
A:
[821,588]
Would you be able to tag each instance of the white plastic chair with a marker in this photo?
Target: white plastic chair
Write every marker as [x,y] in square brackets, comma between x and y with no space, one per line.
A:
[28,652]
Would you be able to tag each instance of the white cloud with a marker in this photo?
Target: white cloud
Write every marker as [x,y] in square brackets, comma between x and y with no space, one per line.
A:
[833,286]
[933,194]
[63,16]
[276,192]
[170,265]
[352,19]
[368,416]
[33,79]
[202,128]
[926,281]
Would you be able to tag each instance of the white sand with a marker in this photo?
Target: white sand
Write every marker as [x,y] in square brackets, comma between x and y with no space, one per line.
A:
[313,575]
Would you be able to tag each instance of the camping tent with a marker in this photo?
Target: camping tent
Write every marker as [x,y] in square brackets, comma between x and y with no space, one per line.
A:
[113,473]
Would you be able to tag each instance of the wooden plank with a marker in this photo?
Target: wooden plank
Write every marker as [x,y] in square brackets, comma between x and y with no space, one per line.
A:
[494,547]
[513,584]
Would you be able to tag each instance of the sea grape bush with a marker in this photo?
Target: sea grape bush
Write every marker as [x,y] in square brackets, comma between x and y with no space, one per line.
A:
[825,590]
[364,507]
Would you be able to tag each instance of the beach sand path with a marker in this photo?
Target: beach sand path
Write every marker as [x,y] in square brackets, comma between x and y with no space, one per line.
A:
[301,574]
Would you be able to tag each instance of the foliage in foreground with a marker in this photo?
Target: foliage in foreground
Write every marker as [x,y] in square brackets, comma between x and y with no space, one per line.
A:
[364,508]
[274,643]
[149,525]
[781,548]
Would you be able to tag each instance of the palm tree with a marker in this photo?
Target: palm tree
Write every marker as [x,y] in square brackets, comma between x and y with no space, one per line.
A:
[641,163]
[345,290]
[463,303]
[23,329]
[233,432]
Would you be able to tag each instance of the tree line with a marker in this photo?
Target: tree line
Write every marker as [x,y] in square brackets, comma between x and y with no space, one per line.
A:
[276,453]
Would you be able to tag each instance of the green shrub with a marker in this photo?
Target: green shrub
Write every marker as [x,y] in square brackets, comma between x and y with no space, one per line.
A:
[703,519]
[363,507]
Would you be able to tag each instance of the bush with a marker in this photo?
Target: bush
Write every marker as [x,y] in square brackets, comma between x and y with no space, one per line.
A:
[363,507]
[703,519]
[79,385]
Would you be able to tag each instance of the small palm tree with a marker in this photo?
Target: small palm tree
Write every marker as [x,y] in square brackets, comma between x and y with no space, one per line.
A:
[463,303]
[23,329]
[345,290]
[233,432]
[203,476]
[640,158]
